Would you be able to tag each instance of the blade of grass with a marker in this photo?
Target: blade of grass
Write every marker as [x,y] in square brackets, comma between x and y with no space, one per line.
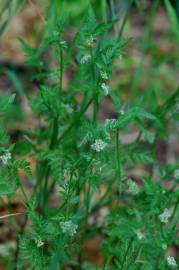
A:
[13,7]
[173,18]
[125,19]
[104,10]
[16,81]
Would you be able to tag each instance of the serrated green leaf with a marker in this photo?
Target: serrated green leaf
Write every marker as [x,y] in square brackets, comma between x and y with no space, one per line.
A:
[24,165]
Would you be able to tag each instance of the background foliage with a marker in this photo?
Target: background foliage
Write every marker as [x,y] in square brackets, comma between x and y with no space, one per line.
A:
[88,120]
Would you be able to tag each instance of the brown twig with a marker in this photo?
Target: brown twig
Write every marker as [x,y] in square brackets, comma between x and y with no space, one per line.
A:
[10,215]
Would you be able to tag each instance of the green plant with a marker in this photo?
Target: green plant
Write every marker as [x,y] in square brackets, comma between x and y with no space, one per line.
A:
[85,165]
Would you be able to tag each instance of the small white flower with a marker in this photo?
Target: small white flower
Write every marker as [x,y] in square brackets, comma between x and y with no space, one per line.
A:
[171,261]
[133,187]
[165,215]
[69,227]
[85,58]
[90,41]
[105,88]
[63,42]
[176,174]
[98,145]
[5,158]
[104,75]
[140,235]
[122,112]
[39,242]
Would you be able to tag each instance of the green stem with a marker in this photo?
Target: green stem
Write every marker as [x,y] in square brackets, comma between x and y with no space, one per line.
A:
[103,11]
[54,133]
[95,110]
[112,8]
[175,209]
[25,195]
[61,71]
[95,104]
[82,174]
[69,194]
[107,263]
[54,136]
[88,189]
[53,142]
[125,19]
[87,201]
[177,9]
[77,119]
[72,125]
[118,161]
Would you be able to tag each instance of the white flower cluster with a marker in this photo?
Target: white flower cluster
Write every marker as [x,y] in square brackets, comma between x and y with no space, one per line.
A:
[171,261]
[39,242]
[98,145]
[104,75]
[86,57]
[5,158]
[63,42]
[165,215]
[133,187]
[90,41]
[176,174]
[69,227]
[122,112]
[105,88]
